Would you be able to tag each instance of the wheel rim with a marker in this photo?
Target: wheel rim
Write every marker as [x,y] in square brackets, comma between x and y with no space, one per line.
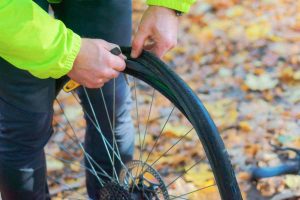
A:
[180,172]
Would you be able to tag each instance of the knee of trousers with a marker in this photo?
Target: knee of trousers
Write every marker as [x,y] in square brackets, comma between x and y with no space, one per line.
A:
[23,135]
[23,184]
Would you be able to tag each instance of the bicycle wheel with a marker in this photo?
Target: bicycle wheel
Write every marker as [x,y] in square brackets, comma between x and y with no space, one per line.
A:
[179,152]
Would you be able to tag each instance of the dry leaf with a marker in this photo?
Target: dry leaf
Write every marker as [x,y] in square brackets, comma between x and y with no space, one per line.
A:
[263,82]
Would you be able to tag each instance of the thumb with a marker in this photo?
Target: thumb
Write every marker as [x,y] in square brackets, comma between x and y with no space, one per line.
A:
[138,43]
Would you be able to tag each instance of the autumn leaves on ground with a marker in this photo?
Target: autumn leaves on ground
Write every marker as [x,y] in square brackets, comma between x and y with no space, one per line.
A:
[242,59]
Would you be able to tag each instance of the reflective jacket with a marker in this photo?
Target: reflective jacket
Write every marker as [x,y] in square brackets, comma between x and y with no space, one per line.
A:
[45,51]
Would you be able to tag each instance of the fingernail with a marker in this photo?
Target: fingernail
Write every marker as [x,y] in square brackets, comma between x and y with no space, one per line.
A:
[133,54]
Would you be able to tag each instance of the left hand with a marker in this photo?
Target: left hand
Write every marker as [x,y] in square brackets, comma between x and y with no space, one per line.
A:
[157,32]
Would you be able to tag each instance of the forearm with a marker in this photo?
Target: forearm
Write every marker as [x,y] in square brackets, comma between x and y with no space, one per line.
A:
[180,5]
[32,40]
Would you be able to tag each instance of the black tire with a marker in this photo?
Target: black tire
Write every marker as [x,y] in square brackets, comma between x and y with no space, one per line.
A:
[153,71]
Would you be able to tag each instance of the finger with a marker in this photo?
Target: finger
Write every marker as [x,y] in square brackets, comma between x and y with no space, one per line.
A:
[100,81]
[114,74]
[159,50]
[90,85]
[110,46]
[105,80]
[149,45]
[118,52]
[116,63]
[99,85]
[107,45]
[123,56]
[109,74]
[115,58]
[138,43]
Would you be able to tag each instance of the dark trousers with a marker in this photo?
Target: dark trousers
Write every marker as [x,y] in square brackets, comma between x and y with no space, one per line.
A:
[26,105]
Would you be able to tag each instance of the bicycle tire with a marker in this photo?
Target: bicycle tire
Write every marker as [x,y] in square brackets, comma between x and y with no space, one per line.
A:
[151,70]
[156,73]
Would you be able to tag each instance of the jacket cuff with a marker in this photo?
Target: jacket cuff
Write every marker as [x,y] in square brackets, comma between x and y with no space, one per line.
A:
[67,65]
[173,4]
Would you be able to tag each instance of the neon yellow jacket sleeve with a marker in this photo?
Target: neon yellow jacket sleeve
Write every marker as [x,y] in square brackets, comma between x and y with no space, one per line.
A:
[180,5]
[32,40]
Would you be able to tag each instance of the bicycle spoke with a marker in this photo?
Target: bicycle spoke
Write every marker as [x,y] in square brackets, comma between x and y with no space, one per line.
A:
[104,174]
[115,145]
[104,139]
[72,162]
[145,133]
[138,121]
[67,134]
[197,190]
[165,153]
[156,140]
[137,114]
[149,113]
[79,143]
[114,118]
[76,140]
[67,186]
[177,197]
[186,171]
[176,162]
[160,133]
[98,125]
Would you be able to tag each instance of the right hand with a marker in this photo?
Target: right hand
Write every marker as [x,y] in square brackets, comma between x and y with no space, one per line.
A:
[95,65]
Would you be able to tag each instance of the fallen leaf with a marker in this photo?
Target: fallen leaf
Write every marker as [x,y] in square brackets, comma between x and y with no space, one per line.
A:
[245,126]
[54,165]
[292,181]
[75,166]
[262,82]
[177,131]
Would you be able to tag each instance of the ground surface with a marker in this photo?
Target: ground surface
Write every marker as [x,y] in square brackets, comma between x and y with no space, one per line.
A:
[242,59]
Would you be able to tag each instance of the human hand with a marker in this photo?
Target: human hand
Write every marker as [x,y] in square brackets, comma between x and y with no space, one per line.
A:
[157,32]
[95,64]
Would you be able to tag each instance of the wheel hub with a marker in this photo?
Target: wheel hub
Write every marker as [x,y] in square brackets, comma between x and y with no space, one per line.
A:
[137,181]
[143,181]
